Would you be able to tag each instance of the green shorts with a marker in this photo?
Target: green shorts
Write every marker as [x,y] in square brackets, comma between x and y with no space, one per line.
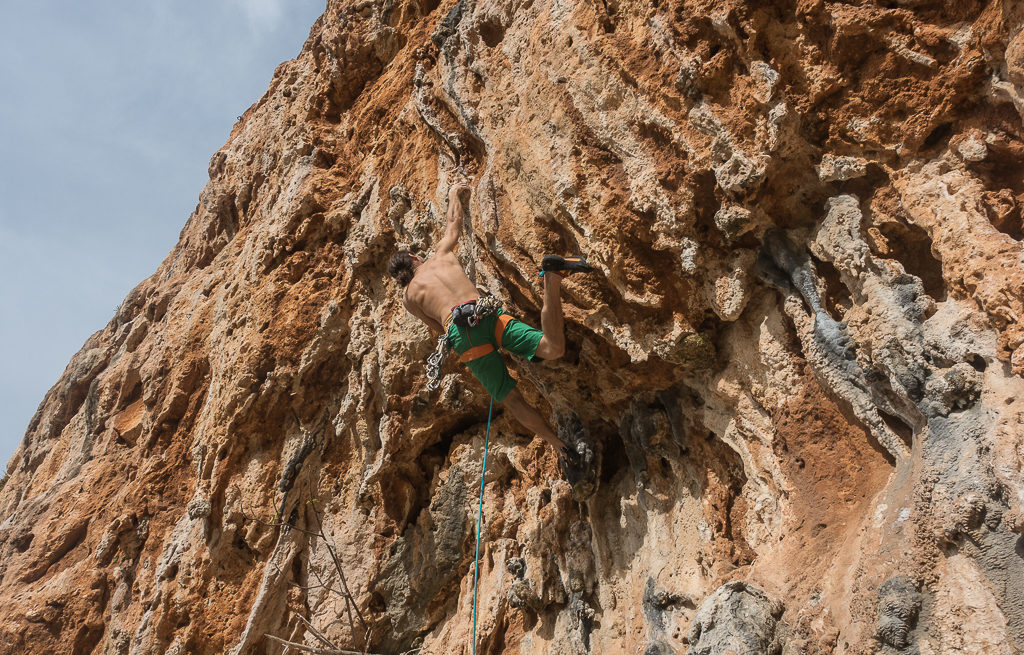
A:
[518,338]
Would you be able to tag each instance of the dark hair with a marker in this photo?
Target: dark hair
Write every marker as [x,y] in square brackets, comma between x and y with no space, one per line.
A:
[401,267]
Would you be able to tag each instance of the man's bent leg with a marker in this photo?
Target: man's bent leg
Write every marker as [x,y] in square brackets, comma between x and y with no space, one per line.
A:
[529,418]
[552,324]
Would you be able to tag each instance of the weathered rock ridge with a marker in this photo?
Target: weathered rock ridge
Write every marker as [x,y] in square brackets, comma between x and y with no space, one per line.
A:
[799,361]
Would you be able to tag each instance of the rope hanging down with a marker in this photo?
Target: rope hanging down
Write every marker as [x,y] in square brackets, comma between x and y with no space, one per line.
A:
[479,520]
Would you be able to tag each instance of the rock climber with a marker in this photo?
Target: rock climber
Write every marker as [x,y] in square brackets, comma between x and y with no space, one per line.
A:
[439,293]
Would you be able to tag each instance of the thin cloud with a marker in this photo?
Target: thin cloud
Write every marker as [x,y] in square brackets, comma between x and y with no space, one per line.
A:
[262,15]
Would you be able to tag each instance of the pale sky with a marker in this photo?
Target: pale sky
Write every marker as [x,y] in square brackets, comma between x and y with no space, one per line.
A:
[109,113]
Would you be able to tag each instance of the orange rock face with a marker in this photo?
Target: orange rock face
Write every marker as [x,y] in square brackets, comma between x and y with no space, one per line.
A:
[798,362]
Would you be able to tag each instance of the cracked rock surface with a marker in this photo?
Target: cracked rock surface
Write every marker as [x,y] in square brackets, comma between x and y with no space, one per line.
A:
[797,368]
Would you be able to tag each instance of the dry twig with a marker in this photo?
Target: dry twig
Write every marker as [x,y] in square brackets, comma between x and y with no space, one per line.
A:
[315,650]
[316,633]
[337,565]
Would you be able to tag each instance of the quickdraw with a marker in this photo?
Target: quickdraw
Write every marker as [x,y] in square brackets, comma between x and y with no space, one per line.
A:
[484,306]
[435,362]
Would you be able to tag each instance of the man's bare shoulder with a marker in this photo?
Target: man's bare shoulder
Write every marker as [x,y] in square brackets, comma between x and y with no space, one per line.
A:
[443,258]
[446,267]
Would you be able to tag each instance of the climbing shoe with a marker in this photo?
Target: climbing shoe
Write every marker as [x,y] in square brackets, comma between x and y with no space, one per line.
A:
[564,265]
[577,460]
[569,459]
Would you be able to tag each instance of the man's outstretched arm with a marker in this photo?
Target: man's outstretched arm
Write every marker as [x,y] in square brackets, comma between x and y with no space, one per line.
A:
[453,220]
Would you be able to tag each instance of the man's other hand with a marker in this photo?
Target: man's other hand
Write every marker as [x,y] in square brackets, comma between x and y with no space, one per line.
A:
[459,190]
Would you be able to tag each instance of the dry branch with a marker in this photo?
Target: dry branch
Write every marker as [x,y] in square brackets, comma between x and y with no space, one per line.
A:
[315,650]
[316,633]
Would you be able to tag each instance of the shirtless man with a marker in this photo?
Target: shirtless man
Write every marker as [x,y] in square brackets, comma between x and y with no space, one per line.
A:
[438,287]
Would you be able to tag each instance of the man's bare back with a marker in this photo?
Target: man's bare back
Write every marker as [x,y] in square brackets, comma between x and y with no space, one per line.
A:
[438,285]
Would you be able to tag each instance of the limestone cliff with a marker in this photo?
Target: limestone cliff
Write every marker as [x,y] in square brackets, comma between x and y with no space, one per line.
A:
[799,361]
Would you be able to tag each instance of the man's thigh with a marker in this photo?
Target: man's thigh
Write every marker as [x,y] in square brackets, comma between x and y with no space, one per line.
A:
[493,374]
[521,338]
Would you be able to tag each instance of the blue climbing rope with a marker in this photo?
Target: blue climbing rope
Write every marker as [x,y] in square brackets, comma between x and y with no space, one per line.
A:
[479,520]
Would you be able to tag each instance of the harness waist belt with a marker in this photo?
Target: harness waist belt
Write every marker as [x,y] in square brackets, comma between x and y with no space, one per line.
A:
[456,311]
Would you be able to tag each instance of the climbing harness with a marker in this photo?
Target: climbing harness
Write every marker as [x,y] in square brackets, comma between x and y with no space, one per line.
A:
[479,521]
[467,315]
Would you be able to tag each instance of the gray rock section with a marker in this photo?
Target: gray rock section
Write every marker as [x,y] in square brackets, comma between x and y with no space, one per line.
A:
[898,606]
[913,361]
[738,618]
[826,342]
[419,577]
[967,508]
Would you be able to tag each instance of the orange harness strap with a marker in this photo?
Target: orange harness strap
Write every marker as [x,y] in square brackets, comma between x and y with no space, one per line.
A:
[499,327]
[476,352]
